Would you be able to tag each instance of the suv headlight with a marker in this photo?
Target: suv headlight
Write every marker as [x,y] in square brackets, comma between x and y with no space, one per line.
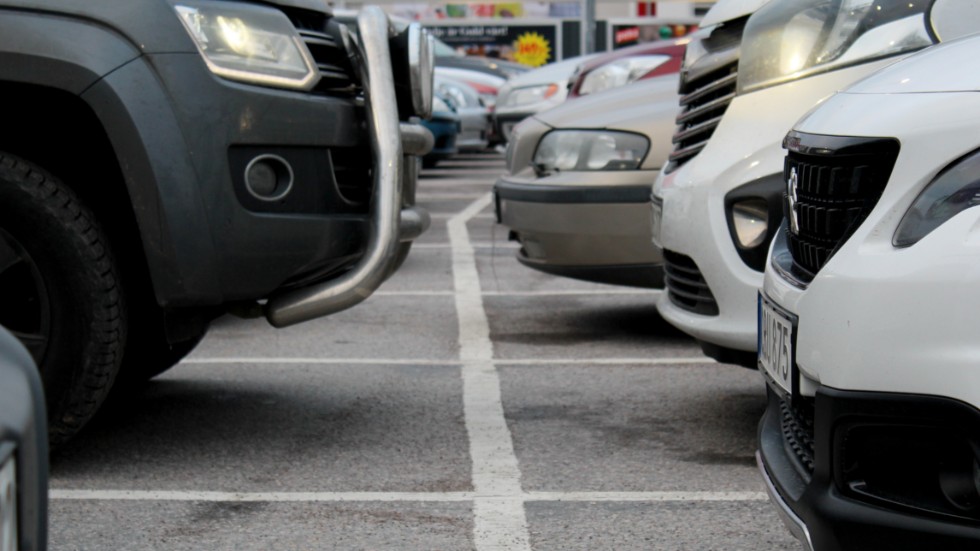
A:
[956,189]
[589,150]
[249,43]
[620,72]
[793,39]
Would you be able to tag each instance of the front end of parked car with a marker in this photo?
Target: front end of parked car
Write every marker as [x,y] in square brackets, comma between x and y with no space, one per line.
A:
[717,204]
[576,192]
[321,157]
[867,316]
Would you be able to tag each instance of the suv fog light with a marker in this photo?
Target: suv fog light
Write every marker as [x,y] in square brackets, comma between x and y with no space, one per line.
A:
[268,177]
[750,218]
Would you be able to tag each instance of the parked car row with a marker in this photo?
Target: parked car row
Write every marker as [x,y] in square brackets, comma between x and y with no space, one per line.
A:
[835,254]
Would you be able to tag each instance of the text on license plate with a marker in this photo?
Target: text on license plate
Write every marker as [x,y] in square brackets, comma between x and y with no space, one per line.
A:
[776,346]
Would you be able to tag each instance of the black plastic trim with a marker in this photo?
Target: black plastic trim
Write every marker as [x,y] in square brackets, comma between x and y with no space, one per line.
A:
[838,520]
[534,193]
[633,275]
[772,190]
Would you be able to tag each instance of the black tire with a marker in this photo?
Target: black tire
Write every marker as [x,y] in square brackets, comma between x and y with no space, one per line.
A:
[59,292]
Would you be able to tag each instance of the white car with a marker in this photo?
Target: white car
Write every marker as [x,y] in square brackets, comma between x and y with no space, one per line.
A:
[868,315]
[532,92]
[474,116]
[746,81]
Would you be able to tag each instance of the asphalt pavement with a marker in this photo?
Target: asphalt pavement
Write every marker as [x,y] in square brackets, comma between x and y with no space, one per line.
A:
[470,404]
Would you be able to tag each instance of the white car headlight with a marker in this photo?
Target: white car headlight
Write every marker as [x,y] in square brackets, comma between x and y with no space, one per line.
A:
[530,95]
[561,150]
[620,72]
[458,96]
[955,189]
[249,43]
[793,39]
[440,105]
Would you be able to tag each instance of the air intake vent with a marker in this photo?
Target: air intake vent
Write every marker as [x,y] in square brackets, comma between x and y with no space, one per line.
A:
[707,88]
[322,38]
[686,287]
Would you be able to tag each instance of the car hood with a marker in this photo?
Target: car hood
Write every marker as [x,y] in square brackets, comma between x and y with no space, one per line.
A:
[618,108]
[726,10]
[918,74]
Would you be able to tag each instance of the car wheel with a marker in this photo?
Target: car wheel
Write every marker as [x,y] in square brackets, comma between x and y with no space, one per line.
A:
[59,292]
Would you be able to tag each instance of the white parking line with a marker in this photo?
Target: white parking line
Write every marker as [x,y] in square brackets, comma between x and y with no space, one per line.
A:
[686,360]
[478,245]
[327,497]
[566,293]
[497,523]
[451,216]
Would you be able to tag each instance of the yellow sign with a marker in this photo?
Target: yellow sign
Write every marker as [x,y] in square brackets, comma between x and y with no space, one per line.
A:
[531,49]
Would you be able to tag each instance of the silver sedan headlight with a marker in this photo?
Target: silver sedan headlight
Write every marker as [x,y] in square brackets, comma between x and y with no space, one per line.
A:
[249,43]
[561,150]
[793,39]
[620,72]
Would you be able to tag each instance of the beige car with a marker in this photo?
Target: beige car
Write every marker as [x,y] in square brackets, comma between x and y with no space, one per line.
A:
[577,190]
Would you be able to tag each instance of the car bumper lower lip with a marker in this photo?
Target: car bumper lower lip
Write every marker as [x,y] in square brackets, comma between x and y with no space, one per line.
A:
[592,232]
[793,523]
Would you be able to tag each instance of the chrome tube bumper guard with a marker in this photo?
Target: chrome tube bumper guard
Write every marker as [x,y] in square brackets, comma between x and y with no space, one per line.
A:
[393,221]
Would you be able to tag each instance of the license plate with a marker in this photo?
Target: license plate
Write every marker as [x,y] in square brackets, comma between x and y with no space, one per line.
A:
[776,357]
[656,217]
[8,505]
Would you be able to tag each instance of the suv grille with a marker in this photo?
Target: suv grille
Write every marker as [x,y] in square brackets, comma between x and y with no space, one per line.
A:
[322,38]
[797,428]
[686,287]
[707,88]
[832,185]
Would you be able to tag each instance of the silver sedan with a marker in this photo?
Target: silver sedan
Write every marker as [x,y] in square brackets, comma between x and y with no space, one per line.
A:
[577,191]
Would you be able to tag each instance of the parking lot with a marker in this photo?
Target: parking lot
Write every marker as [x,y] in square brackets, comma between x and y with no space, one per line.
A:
[470,404]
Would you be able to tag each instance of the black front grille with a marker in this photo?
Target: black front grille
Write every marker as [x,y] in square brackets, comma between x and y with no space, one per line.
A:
[707,88]
[323,38]
[832,185]
[686,287]
[797,429]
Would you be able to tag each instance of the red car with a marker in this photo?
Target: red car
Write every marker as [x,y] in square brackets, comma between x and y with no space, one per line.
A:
[625,65]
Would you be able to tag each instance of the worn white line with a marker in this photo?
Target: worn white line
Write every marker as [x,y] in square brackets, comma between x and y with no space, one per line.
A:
[325,497]
[316,361]
[478,245]
[576,293]
[498,524]
[611,361]
[451,216]
[422,361]
[420,197]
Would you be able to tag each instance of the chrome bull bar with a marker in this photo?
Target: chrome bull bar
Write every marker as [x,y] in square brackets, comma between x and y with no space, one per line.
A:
[392,221]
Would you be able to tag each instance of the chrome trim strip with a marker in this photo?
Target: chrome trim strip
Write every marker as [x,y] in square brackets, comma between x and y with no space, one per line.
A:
[793,523]
[386,202]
